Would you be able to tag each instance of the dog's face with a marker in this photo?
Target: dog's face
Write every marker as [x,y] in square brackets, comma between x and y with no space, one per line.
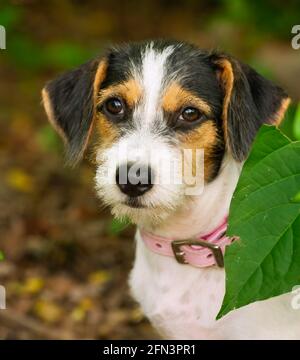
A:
[150,102]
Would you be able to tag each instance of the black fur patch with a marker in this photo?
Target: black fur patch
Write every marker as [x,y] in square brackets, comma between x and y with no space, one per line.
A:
[120,60]
[71,97]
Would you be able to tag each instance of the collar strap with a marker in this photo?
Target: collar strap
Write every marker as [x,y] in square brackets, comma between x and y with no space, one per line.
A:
[200,251]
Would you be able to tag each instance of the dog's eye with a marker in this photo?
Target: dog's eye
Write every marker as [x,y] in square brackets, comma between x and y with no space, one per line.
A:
[190,114]
[114,106]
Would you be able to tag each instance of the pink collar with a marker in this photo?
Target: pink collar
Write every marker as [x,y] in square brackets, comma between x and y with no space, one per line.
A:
[200,251]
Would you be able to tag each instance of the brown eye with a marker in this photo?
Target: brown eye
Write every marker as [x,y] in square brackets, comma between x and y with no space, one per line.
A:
[114,106]
[190,114]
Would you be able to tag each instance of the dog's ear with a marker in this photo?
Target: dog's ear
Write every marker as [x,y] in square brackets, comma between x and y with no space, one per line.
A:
[249,100]
[69,103]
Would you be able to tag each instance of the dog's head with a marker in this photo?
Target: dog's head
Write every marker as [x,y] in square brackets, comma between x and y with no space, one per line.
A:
[149,102]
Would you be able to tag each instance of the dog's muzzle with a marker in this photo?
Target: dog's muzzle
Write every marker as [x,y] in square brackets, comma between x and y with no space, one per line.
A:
[134,179]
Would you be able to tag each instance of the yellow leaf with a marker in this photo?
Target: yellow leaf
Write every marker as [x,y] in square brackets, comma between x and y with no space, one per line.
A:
[78,314]
[33,285]
[86,304]
[80,311]
[99,277]
[18,179]
[47,311]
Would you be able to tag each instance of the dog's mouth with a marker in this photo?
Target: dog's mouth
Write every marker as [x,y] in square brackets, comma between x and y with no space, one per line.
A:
[134,203]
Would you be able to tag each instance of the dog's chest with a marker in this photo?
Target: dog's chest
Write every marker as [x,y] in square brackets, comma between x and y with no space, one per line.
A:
[180,301]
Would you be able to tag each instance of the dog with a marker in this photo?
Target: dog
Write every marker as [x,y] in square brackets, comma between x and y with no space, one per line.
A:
[162,98]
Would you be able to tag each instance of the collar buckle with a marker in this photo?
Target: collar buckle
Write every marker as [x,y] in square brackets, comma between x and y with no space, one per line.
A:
[179,253]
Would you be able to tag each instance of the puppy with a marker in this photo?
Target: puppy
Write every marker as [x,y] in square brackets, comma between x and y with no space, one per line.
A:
[159,103]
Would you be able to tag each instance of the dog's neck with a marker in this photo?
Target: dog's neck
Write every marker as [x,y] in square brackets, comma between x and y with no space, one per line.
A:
[203,213]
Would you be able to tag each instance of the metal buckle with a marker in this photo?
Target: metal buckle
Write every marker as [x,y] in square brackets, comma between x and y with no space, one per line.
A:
[179,254]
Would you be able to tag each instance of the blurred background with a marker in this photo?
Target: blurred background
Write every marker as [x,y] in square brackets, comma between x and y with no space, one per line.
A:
[64,261]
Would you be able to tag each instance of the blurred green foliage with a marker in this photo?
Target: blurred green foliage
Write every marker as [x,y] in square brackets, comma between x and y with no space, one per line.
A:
[264,17]
[259,18]
[27,53]
[48,140]
[10,16]
[116,226]
[51,37]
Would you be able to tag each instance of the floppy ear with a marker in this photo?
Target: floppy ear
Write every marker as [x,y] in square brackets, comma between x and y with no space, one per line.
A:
[69,104]
[249,101]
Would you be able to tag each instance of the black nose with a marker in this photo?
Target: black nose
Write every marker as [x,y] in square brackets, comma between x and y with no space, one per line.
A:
[134,179]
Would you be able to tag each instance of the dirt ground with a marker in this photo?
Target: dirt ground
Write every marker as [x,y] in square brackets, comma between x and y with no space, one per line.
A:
[65,272]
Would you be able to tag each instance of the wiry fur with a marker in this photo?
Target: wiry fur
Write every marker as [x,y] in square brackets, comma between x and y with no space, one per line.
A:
[181,301]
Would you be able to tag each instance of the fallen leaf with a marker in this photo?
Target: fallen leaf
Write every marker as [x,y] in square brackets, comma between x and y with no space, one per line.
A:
[78,314]
[19,180]
[48,311]
[80,311]
[33,285]
[99,277]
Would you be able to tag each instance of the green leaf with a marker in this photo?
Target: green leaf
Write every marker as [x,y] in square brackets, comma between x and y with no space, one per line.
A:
[66,55]
[296,124]
[1,256]
[296,198]
[25,53]
[48,139]
[10,16]
[265,261]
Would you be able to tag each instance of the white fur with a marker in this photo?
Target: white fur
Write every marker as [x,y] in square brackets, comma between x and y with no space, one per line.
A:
[152,80]
[162,199]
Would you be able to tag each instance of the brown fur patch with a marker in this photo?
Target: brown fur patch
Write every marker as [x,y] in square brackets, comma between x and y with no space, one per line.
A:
[279,116]
[204,137]
[226,78]
[100,76]
[130,91]
[107,130]
[176,97]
